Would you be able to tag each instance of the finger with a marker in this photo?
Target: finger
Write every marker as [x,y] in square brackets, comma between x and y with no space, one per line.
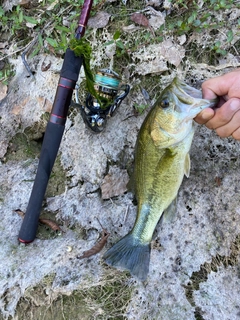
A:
[224,114]
[208,92]
[227,84]
[236,134]
[221,101]
[228,129]
[204,116]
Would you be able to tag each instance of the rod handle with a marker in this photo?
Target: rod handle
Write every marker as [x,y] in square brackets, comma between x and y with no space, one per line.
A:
[51,143]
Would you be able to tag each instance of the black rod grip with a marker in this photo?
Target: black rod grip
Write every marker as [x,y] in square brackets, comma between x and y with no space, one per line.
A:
[50,146]
[71,66]
[52,139]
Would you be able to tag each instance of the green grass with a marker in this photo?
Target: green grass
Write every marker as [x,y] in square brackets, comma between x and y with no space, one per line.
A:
[43,23]
[107,300]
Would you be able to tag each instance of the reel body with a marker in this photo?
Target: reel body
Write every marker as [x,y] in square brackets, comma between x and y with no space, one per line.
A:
[110,94]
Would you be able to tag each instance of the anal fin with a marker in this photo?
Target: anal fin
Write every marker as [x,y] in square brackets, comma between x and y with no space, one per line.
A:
[170,213]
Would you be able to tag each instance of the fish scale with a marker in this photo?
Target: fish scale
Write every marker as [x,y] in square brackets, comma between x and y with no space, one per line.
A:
[161,161]
[169,172]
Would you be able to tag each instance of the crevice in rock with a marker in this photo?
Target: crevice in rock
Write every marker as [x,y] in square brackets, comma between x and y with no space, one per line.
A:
[205,269]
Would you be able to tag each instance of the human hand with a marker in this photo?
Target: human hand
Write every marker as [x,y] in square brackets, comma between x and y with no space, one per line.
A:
[225,117]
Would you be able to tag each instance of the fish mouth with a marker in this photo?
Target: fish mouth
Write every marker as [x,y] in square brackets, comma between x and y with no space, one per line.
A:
[188,100]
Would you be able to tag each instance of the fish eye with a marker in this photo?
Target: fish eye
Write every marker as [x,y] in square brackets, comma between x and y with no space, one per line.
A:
[165,104]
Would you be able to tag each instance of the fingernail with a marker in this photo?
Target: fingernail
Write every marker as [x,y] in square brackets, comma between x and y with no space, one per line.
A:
[234,105]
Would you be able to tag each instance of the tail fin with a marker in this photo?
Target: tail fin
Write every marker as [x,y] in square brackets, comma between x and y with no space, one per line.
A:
[130,254]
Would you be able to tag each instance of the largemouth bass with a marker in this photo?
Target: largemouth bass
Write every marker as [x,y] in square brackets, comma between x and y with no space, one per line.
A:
[161,161]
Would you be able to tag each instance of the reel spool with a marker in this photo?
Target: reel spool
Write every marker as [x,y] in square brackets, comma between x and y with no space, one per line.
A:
[110,94]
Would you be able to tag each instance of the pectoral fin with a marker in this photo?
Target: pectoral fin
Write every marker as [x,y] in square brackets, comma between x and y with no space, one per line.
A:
[187,165]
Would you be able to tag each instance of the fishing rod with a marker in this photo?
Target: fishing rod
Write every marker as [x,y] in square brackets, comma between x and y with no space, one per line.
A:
[54,131]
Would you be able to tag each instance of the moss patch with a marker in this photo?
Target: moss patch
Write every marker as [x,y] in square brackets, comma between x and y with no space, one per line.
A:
[107,300]
[21,148]
[27,144]
[56,183]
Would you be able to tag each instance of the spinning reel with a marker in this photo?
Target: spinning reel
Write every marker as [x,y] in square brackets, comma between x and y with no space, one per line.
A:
[110,94]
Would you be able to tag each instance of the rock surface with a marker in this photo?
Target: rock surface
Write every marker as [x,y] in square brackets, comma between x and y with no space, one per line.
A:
[194,269]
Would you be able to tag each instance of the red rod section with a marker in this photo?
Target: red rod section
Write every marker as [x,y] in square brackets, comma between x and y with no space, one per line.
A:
[83,19]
